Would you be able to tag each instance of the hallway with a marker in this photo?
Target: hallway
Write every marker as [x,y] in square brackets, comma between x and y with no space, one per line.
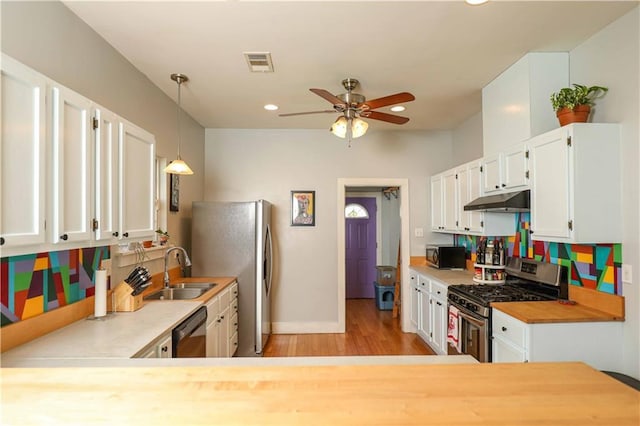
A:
[369,331]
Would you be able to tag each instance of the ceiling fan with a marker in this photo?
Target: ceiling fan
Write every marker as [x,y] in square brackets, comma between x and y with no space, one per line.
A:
[354,106]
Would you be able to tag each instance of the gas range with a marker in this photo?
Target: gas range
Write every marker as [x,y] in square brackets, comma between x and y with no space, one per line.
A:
[526,280]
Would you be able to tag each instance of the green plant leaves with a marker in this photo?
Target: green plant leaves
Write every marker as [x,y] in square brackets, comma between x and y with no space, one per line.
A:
[568,97]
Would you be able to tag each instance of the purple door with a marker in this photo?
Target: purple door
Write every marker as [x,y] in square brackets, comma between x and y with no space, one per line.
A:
[360,244]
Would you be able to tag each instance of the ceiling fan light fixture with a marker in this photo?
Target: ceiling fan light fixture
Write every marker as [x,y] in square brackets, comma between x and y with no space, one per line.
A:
[358,127]
[271,107]
[339,127]
[178,166]
[475,2]
[397,108]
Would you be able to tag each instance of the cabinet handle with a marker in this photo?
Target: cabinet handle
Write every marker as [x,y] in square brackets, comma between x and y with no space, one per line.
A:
[125,234]
[504,184]
[235,324]
[531,231]
[221,317]
[438,303]
[115,234]
[438,291]
[235,343]
[497,187]
[165,349]
[1,241]
[504,328]
[64,237]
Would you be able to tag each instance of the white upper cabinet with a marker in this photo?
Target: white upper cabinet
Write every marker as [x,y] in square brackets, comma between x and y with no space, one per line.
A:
[71,161]
[137,181]
[474,221]
[106,175]
[437,219]
[449,200]
[515,162]
[22,156]
[575,188]
[492,180]
[516,107]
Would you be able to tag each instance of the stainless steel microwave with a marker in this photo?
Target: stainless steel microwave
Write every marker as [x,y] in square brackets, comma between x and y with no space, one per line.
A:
[446,257]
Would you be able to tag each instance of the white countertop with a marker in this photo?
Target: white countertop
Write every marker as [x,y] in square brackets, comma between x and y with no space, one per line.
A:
[446,276]
[117,335]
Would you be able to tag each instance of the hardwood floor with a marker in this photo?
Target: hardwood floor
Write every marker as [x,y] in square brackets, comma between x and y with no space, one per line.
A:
[369,331]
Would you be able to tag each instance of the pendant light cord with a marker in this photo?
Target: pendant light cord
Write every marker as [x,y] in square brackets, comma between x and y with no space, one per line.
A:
[179,79]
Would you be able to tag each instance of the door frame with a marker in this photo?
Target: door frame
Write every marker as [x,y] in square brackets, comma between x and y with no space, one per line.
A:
[403,185]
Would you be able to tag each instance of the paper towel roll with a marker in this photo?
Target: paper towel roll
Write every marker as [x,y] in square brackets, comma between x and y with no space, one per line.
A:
[100,307]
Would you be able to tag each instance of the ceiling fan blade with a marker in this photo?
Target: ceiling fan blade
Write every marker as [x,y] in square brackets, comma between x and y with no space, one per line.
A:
[329,97]
[398,98]
[383,116]
[307,113]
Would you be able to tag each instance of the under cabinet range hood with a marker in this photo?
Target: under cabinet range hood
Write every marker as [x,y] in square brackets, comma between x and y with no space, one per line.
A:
[506,203]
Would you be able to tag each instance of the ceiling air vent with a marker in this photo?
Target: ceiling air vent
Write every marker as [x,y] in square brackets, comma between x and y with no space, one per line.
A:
[259,61]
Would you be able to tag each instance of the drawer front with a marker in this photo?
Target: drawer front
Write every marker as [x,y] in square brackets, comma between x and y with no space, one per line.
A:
[233,324]
[234,290]
[423,283]
[225,297]
[438,289]
[233,344]
[234,305]
[213,309]
[509,328]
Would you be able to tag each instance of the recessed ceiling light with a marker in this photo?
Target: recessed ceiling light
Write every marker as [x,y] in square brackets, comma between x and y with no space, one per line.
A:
[398,108]
[271,107]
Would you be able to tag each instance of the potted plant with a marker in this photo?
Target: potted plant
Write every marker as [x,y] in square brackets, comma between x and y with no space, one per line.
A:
[573,104]
[163,236]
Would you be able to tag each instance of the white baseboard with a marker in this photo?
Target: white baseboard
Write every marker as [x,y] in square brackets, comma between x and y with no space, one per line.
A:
[305,327]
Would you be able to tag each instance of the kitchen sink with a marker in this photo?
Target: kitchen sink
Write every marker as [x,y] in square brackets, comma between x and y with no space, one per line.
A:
[206,286]
[176,294]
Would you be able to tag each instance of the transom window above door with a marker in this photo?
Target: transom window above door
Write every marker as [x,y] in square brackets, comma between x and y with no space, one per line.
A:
[355,211]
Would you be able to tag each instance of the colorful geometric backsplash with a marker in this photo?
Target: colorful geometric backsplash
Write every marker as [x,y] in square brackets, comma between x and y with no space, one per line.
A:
[595,266]
[32,284]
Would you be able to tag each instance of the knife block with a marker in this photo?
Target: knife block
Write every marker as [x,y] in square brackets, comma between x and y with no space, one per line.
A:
[123,301]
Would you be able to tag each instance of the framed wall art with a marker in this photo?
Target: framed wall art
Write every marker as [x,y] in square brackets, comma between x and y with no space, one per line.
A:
[303,208]
[174,199]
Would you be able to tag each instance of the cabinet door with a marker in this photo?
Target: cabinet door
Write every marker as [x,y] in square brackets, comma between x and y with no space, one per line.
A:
[225,316]
[449,205]
[71,160]
[504,351]
[516,167]
[22,156]
[475,218]
[106,175]
[424,314]
[492,173]
[550,195]
[136,181]
[438,324]
[436,203]
[213,327]
[414,299]
[462,181]
[164,348]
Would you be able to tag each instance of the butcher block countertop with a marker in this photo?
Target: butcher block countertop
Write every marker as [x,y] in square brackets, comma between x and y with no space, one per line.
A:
[473,394]
[447,276]
[552,312]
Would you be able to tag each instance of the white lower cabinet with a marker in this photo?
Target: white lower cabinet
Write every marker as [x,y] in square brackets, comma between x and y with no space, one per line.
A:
[222,323]
[160,348]
[593,343]
[429,311]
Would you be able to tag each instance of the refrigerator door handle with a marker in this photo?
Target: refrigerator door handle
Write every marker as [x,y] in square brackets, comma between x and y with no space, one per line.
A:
[270,270]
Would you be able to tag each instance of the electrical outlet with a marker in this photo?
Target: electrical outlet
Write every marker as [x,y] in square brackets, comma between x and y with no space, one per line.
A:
[627,273]
[419,232]
[106,264]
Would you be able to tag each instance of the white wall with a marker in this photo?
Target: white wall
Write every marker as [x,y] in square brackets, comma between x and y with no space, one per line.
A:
[611,58]
[467,140]
[253,164]
[51,39]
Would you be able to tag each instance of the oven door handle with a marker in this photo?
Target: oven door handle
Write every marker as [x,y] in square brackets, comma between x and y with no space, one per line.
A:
[471,319]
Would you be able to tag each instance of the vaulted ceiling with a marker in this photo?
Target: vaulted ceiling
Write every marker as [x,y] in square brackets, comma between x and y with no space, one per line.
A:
[443,52]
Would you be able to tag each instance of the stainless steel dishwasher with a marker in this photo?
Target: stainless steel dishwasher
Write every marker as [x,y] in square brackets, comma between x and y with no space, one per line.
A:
[189,338]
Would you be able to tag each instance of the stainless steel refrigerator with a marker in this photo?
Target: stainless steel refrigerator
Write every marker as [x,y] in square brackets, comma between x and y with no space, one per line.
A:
[234,239]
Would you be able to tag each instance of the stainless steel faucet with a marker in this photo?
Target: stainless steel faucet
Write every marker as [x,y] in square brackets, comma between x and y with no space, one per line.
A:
[187,262]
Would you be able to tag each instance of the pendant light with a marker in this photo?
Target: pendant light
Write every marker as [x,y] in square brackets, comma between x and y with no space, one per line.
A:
[177,166]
